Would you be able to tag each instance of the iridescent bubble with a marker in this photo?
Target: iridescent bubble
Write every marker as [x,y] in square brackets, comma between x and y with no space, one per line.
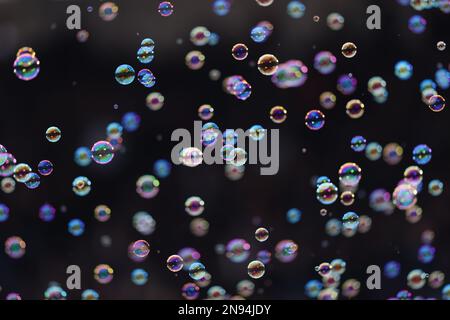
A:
[124,74]
[335,21]
[416,279]
[221,7]
[194,206]
[26,67]
[355,108]
[103,273]
[257,132]
[422,154]
[7,168]
[25,50]
[426,253]
[210,133]
[349,174]
[191,157]
[315,120]
[139,277]
[256,269]
[81,186]
[435,187]
[144,223]
[322,179]
[441,45]
[374,151]
[102,213]
[286,251]
[436,103]
[239,51]
[346,84]
[195,60]
[238,250]
[290,74]
[4,212]
[350,220]
[259,34]
[47,212]
[278,114]
[205,112]
[147,186]
[75,227]
[417,24]
[312,288]
[82,156]
[403,70]
[267,64]
[8,185]
[145,54]
[21,171]
[131,121]
[436,279]
[154,101]
[162,168]
[347,198]
[45,167]
[413,214]
[358,143]
[327,100]
[140,248]
[108,11]
[324,269]
[102,152]
[197,271]
[351,288]
[146,78]
[333,227]
[392,153]
[53,134]
[213,39]
[327,193]
[293,215]
[328,294]
[189,256]
[55,292]
[349,50]
[190,291]
[261,234]
[404,196]
[264,256]
[413,175]
[264,3]
[392,269]
[325,62]
[296,9]
[32,180]
[446,292]
[200,36]
[245,288]
[174,263]
[15,247]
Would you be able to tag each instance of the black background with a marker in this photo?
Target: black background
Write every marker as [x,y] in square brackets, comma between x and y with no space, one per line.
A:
[76,91]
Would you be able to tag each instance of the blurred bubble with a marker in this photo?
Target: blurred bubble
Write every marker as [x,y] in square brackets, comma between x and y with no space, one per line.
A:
[103,273]
[139,277]
[195,60]
[239,51]
[102,213]
[147,186]
[45,167]
[261,234]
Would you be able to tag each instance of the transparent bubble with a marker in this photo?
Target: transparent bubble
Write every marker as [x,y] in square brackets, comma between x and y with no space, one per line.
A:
[26,67]
[264,256]
[147,186]
[195,60]
[144,223]
[146,78]
[175,263]
[102,213]
[391,269]
[191,157]
[413,175]
[374,151]
[47,212]
[436,103]
[102,152]
[245,288]
[131,121]
[81,186]
[286,251]
[162,168]
[108,11]
[76,227]
[413,214]
[55,293]
[267,64]
[154,101]
[259,34]
[139,277]
[15,247]
[349,50]
[200,36]
[324,269]
[256,269]
[349,174]
[53,134]
[435,187]
[392,153]
[296,9]
[347,198]
[327,193]
[205,112]
[194,206]
[45,167]
[239,51]
[82,156]
[416,279]
[422,154]
[404,196]
[441,45]
[403,70]
[325,62]
[312,288]
[264,3]
[327,100]
[21,172]
[293,215]
[124,74]
[355,108]
[351,288]
[32,180]
[140,248]
[238,250]
[190,291]
[347,84]
[278,114]
[358,143]
[261,234]
[290,74]
[335,21]
[197,271]
[315,120]
[103,273]
[8,185]
[145,54]
[417,24]
[426,253]
[350,220]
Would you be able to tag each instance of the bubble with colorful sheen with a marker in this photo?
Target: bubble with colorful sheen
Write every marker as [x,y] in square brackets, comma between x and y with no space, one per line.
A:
[53,134]
[293,215]
[404,196]
[239,51]
[140,248]
[205,112]
[102,152]
[349,50]
[147,186]
[26,66]
[355,108]
[175,263]
[195,60]
[21,172]
[162,168]
[325,62]
[436,103]
[114,130]
[81,186]
[435,187]
[422,154]
[197,270]
[392,153]
[47,212]
[373,151]
[124,74]
[165,8]
[327,100]
[144,223]
[146,78]
[403,70]
[278,114]
[32,180]
[261,234]
[312,288]
[102,213]
[82,156]
[237,250]
[314,120]
[290,74]
[145,55]
[131,121]
[139,277]
[286,251]
[350,220]
[108,11]
[296,9]
[346,84]
[259,34]
[417,24]
[154,101]
[349,174]
[267,64]
[103,273]
[358,143]
[194,206]
[76,227]
[327,193]
[4,212]
[190,291]
[256,269]
[45,167]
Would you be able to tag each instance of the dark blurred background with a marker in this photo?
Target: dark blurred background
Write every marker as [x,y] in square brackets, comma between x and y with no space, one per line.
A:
[76,91]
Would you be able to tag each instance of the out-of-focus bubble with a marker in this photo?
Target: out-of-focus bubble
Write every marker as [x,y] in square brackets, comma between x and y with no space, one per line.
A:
[25,50]
[333,227]
[114,130]
[144,223]
[102,213]
[349,174]
[237,250]
[293,215]
[392,153]
[323,269]
[278,114]
[261,234]
[190,291]
[53,134]
[197,270]
[47,212]
[349,50]
[162,168]
[26,66]
[4,212]
[296,9]
[214,74]
[391,269]
[325,62]
[108,11]
[350,220]
[199,227]
[256,269]
[335,21]
[374,151]
[146,78]
[195,60]
[191,157]
[90,294]
[435,187]
[267,64]
[416,279]
[421,154]
[8,185]
[102,152]
[21,171]
[347,198]
[205,112]
[145,54]
[239,51]
[7,168]
[327,100]
[82,156]
[200,36]
[436,103]
[205,281]
[55,292]
[286,251]
[81,186]
[315,120]
[189,256]
[131,121]
[312,288]
[338,266]
[139,277]
[403,70]
[32,180]
[441,45]
[355,108]
[413,175]
[238,157]
[257,132]
[154,101]
[82,36]
[245,288]
[103,273]
[15,247]
[174,263]
[264,256]
[45,167]
[124,74]
[417,24]
[147,186]
[213,39]
[436,279]
[264,3]
[446,292]
[404,196]
[346,84]
[426,253]
[76,227]
[194,206]
[358,143]
[165,8]
[327,193]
